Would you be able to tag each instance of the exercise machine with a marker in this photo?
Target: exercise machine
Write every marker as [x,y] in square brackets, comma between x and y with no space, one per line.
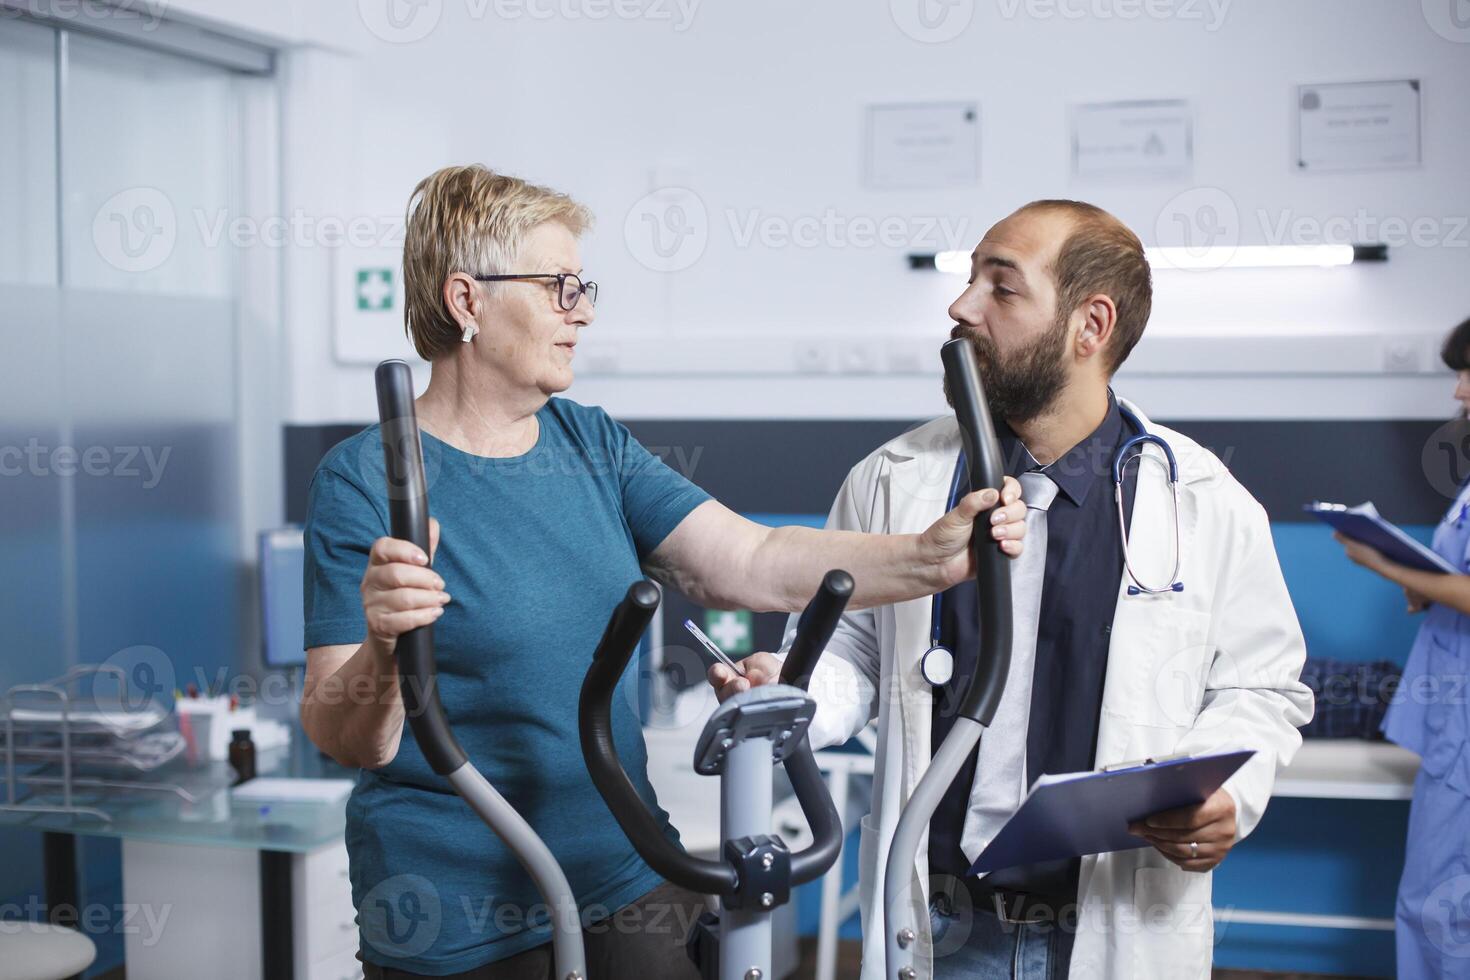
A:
[750,731]
[756,871]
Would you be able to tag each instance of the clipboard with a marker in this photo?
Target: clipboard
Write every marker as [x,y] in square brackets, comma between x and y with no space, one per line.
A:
[1364,523]
[1078,813]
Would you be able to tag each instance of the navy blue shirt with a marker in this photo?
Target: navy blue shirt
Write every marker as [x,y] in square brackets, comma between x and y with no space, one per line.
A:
[536,551]
[1084,565]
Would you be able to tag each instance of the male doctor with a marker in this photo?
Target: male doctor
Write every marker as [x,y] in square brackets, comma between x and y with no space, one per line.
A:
[1111,661]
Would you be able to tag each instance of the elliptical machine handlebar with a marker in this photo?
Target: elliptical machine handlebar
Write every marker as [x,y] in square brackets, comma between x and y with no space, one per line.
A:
[815,627]
[814,631]
[992,569]
[902,895]
[619,642]
[408,517]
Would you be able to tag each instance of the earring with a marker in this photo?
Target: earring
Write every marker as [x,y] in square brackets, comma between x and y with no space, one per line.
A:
[470,330]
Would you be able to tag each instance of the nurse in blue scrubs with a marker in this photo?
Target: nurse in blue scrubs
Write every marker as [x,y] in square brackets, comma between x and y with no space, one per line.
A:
[1431,715]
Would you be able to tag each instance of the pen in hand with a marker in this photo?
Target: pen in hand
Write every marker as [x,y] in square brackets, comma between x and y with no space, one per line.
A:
[714,651]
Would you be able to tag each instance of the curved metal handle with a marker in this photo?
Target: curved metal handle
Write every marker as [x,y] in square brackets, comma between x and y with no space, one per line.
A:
[992,568]
[594,713]
[814,631]
[408,518]
[902,904]
[814,860]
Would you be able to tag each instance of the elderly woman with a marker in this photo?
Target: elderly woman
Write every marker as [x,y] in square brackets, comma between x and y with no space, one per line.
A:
[546,511]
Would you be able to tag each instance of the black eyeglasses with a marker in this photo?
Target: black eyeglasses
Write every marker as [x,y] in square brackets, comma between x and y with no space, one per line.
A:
[569,287]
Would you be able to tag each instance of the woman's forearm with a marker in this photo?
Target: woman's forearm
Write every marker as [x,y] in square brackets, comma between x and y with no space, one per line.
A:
[885,568]
[1438,587]
[355,714]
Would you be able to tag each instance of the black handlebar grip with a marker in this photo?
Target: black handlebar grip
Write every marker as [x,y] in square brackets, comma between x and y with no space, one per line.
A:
[813,632]
[816,858]
[408,516]
[594,715]
[992,567]
[815,627]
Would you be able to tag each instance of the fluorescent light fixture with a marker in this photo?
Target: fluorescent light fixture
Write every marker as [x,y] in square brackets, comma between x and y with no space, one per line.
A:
[1250,257]
[955,263]
[1214,257]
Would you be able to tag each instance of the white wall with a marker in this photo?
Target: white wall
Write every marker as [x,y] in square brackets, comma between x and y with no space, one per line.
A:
[757,107]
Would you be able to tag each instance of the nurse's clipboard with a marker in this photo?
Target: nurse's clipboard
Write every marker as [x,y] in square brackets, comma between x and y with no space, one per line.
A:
[1089,812]
[1363,523]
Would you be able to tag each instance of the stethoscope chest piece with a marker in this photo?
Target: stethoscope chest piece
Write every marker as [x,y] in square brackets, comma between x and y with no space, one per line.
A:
[937,665]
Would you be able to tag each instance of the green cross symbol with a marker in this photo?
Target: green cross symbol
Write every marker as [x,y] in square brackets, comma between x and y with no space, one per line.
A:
[375,289]
[733,631]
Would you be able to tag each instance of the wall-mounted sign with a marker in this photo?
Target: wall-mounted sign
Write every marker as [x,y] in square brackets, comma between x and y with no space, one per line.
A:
[1358,126]
[1132,139]
[928,145]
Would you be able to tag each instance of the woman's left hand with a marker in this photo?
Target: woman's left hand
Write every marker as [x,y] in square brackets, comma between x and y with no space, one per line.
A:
[1003,517]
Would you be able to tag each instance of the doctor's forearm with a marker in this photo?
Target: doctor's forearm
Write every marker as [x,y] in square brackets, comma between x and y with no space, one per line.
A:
[885,568]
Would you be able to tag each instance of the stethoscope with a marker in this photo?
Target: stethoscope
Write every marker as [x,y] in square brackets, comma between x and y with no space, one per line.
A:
[937,664]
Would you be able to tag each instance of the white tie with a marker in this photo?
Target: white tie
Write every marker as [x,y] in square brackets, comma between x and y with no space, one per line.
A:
[1000,775]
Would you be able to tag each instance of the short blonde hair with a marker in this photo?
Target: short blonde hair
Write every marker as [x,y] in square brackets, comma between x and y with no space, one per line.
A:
[468,219]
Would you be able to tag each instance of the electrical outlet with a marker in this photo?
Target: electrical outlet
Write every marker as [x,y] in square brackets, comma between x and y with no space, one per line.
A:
[904,359]
[859,358]
[1400,357]
[813,357]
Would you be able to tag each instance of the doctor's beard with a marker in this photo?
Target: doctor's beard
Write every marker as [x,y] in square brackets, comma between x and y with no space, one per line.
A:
[1023,384]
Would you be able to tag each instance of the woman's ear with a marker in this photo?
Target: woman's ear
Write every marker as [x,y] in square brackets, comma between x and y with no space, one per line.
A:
[462,300]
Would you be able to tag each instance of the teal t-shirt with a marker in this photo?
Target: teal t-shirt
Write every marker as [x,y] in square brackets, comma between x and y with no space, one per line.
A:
[536,551]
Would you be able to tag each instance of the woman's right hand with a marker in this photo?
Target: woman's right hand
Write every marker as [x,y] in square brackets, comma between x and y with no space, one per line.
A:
[399,591]
[1416,600]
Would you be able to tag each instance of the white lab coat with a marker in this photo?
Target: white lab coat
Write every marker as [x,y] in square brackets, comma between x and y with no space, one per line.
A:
[1212,668]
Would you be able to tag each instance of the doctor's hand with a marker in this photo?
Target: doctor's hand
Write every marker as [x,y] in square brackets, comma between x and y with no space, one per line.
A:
[947,541]
[760,668]
[1418,601]
[1210,826]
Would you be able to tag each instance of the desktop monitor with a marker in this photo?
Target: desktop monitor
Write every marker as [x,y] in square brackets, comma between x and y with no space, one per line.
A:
[283,617]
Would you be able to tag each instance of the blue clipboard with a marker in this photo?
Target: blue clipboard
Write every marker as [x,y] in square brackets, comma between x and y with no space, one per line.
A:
[1363,523]
[1089,813]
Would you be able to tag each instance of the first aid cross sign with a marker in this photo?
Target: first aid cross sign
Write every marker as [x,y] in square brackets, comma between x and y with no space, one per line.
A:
[733,631]
[375,289]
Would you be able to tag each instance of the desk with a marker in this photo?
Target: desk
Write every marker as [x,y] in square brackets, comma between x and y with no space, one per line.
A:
[281,837]
[1349,769]
[1337,769]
